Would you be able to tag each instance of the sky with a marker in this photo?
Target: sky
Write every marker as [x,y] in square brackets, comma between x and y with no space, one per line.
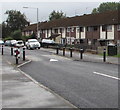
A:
[45,7]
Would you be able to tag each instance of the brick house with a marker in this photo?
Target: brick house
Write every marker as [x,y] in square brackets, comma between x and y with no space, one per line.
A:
[90,30]
[29,30]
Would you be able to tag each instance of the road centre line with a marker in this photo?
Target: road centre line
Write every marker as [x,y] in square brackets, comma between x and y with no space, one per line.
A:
[113,77]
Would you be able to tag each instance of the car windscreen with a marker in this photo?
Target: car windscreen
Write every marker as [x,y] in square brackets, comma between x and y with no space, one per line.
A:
[32,41]
[20,42]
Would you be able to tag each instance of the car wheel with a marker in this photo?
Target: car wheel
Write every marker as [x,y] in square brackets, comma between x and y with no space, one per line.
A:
[38,47]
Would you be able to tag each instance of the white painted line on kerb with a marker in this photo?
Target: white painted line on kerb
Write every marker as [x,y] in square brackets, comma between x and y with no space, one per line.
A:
[24,63]
[113,77]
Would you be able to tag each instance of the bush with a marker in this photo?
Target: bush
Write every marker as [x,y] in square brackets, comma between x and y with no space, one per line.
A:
[25,38]
[16,35]
[8,38]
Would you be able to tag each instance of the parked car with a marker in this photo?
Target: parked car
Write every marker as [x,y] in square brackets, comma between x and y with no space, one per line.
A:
[1,42]
[7,43]
[47,42]
[19,43]
[33,44]
[13,42]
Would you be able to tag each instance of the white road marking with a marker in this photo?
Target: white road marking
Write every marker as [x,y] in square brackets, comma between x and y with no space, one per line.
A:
[24,63]
[53,60]
[113,77]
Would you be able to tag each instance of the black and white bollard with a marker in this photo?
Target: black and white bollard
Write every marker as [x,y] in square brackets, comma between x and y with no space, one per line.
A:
[63,51]
[12,51]
[2,49]
[81,53]
[23,53]
[17,54]
[104,55]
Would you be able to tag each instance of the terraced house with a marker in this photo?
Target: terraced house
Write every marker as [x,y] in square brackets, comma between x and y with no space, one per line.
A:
[90,30]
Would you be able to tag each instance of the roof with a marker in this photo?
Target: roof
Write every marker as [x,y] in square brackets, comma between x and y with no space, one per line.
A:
[31,27]
[109,17]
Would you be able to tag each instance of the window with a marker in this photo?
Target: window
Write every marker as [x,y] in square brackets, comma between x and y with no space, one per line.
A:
[56,30]
[81,41]
[81,29]
[95,28]
[103,28]
[89,29]
[63,30]
[69,29]
[118,27]
[109,28]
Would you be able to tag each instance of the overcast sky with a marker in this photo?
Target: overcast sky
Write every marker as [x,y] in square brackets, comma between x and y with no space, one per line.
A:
[69,7]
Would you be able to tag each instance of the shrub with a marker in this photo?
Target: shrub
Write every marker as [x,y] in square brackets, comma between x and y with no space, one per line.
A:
[8,38]
[16,35]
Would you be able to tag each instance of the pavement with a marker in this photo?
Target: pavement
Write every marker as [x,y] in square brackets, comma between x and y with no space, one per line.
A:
[87,57]
[19,90]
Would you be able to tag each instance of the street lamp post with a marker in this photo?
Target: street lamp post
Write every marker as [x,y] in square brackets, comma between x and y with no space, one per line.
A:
[37,19]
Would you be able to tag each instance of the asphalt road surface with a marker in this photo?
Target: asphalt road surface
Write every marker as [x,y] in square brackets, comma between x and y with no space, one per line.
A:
[84,84]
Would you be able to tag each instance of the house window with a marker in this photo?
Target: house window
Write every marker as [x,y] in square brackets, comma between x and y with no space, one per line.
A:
[95,28]
[56,30]
[118,27]
[103,28]
[78,29]
[81,29]
[89,29]
[62,29]
[109,28]
[69,29]
[43,31]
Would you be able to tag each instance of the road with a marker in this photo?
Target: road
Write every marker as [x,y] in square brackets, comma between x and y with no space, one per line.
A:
[84,84]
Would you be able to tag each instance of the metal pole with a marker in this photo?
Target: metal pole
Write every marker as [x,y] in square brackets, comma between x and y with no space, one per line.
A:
[104,55]
[81,53]
[16,59]
[57,50]
[70,52]
[63,51]
[24,54]
[37,24]
[11,50]
[2,49]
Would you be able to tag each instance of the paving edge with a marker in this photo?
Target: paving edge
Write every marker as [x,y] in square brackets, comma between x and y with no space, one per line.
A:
[41,85]
[46,88]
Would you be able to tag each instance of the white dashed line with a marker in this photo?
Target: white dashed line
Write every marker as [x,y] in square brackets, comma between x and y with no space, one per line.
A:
[113,77]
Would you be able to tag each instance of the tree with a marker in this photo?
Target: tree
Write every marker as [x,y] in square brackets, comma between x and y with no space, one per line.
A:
[5,30]
[56,15]
[16,20]
[108,6]
[17,35]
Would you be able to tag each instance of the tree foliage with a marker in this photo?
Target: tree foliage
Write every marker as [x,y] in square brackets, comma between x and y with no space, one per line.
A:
[107,6]
[16,35]
[56,15]
[16,20]
[5,30]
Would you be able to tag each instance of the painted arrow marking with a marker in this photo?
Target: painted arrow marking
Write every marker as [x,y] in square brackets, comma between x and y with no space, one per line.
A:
[53,60]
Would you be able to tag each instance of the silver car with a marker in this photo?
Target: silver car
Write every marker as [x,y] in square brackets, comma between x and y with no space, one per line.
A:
[33,44]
